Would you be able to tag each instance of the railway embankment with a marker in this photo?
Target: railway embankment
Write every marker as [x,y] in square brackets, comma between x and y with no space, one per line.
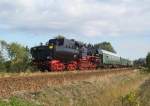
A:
[105,88]
[35,82]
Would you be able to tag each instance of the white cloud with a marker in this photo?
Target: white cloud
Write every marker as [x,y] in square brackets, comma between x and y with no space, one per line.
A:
[82,17]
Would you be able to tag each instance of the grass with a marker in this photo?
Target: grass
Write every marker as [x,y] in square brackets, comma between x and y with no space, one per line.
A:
[144,94]
[109,90]
[139,97]
[124,89]
[14,101]
[6,74]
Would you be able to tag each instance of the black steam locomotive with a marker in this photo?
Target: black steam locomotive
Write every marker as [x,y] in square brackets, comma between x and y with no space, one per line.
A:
[64,54]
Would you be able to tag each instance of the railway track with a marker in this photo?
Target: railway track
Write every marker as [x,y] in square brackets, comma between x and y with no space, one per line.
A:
[36,82]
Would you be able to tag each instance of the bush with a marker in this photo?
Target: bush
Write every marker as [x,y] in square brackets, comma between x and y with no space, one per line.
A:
[148,60]
[130,99]
[2,67]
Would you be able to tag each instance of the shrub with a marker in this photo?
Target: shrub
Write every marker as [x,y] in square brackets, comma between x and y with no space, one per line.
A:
[148,60]
[130,99]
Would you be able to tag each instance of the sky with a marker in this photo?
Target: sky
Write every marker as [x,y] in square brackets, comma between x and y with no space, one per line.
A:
[124,23]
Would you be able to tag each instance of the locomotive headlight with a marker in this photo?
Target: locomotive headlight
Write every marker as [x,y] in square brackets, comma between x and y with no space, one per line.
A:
[50,47]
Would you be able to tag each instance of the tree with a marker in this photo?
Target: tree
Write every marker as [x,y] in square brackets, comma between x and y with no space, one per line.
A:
[14,57]
[19,57]
[3,47]
[3,44]
[106,46]
[141,62]
[2,65]
[148,60]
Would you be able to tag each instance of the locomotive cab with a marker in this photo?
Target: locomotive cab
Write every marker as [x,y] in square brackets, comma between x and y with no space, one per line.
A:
[66,50]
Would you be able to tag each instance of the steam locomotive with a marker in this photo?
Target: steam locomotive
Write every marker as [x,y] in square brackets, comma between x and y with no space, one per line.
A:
[65,54]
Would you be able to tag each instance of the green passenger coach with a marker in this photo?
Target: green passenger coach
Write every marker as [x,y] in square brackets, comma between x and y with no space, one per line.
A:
[112,59]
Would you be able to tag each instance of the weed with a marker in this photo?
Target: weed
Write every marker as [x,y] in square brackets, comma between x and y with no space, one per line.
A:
[14,101]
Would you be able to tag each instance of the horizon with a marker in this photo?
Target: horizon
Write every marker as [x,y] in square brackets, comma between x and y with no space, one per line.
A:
[125,24]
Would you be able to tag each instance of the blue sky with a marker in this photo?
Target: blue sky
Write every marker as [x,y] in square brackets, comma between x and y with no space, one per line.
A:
[124,23]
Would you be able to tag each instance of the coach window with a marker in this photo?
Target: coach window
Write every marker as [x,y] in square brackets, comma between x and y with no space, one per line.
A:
[66,46]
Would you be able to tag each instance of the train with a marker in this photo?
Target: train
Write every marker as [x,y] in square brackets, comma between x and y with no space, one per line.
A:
[62,54]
